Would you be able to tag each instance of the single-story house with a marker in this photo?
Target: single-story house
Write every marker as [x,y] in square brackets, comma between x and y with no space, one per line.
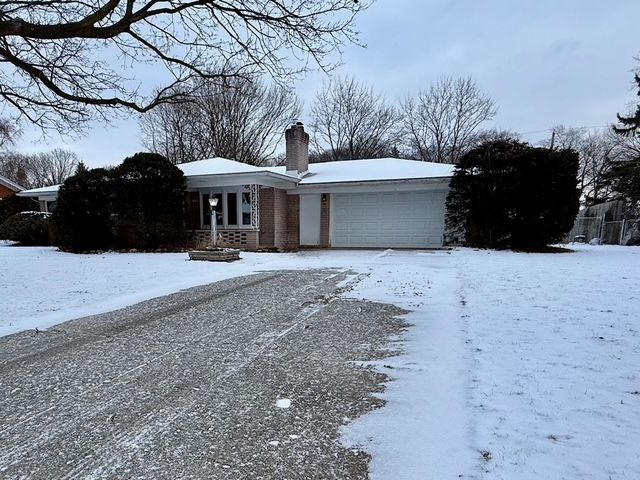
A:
[8,188]
[357,203]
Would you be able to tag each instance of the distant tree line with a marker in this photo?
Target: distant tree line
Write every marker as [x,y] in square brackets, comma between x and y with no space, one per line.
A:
[33,170]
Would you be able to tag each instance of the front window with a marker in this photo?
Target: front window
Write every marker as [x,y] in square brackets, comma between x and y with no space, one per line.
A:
[233,209]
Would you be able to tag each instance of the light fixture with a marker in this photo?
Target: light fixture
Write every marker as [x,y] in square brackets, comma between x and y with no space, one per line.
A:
[213,202]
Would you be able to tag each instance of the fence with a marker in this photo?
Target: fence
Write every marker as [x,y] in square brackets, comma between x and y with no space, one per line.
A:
[620,232]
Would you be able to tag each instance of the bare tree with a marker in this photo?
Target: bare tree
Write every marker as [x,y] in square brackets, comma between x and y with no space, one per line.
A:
[16,167]
[350,121]
[54,167]
[9,132]
[66,61]
[440,122]
[38,169]
[490,135]
[243,119]
[596,151]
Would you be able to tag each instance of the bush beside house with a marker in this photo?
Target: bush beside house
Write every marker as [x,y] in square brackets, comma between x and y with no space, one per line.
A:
[507,194]
[13,204]
[139,204]
[27,228]
[82,219]
[148,202]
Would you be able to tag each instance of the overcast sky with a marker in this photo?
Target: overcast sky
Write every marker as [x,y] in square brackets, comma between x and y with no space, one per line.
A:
[544,62]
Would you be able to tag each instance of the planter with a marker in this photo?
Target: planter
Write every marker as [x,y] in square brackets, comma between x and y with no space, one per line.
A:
[215,255]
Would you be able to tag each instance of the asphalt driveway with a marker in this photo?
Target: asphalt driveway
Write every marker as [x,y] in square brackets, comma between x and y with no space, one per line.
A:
[246,378]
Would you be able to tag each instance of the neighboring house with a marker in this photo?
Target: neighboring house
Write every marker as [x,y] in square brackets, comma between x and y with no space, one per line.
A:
[8,188]
[357,203]
[47,196]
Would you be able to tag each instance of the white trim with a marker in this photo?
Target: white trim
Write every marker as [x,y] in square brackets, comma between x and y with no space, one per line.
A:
[378,186]
[266,178]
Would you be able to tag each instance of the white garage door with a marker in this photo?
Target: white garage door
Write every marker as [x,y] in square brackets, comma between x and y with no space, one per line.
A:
[389,219]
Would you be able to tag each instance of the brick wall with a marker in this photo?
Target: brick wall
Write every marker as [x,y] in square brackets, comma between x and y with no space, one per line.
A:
[267,227]
[280,234]
[192,214]
[247,239]
[279,219]
[292,238]
[325,208]
[5,192]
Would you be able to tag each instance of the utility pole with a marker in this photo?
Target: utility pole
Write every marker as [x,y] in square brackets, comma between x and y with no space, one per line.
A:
[553,138]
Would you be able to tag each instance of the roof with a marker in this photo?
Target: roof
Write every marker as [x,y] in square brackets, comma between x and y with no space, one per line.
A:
[231,168]
[34,192]
[372,170]
[344,171]
[217,166]
[10,184]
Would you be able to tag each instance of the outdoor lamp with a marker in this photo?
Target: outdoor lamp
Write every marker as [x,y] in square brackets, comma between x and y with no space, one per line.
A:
[213,202]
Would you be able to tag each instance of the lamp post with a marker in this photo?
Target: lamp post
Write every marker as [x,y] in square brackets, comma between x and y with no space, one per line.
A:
[213,202]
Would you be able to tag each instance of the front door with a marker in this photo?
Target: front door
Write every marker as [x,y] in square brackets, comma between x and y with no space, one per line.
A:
[310,219]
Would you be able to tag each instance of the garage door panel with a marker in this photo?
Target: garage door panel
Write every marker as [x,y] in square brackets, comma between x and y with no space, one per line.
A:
[389,219]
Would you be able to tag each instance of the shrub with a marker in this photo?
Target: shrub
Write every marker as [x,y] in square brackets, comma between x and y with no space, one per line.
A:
[13,204]
[148,202]
[507,194]
[27,228]
[82,219]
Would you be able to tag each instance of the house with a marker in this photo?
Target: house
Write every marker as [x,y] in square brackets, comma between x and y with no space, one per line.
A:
[8,188]
[358,203]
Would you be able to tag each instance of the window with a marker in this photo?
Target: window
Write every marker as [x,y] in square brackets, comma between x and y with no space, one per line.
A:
[232,208]
[206,213]
[246,208]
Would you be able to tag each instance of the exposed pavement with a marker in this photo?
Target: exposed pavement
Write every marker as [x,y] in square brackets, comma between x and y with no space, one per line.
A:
[246,378]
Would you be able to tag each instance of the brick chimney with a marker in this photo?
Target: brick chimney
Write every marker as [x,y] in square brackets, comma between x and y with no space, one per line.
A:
[297,149]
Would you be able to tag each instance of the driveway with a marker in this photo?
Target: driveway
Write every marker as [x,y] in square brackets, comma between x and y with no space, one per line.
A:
[246,378]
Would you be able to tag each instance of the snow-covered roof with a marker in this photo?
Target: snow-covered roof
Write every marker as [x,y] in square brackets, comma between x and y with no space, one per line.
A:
[10,184]
[216,166]
[373,170]
[35,192]
[347,171]
[223,166]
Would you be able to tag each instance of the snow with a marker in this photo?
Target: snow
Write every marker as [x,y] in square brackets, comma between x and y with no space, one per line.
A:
[283,403]
[223,166]
[34,192]
[517,365]
[371,170]
[216,166]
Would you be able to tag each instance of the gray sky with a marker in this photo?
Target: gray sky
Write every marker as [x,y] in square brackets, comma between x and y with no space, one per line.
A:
[544,62]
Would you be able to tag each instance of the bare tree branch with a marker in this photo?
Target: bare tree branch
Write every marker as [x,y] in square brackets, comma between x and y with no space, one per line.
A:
[440,122]
[63,62]
[350,121]
[240,119]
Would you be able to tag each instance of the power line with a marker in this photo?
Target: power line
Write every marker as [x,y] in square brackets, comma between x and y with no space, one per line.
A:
[551,130]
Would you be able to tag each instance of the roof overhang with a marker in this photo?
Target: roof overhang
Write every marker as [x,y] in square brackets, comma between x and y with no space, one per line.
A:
[49,194]
[266,178]
[10,185]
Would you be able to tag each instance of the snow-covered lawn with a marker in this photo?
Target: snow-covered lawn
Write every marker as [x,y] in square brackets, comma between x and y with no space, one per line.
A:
[519,366]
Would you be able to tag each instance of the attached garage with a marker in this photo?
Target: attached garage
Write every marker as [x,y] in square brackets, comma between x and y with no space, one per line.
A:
[406,219]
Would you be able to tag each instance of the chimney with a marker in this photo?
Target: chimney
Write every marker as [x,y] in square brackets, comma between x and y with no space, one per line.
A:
[297,149]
